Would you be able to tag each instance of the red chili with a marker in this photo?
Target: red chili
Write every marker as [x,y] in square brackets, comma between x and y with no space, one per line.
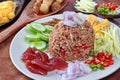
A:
[101,58]
[62,51]
[88,61]
[77,48]
[111,62]
[84,46]
[105,64]
[112,6]
[109,56]
[96,61]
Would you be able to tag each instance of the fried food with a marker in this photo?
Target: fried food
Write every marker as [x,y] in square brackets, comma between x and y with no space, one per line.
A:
[55,6]
[59,1]
[44,8]
[53,22]
[36,6]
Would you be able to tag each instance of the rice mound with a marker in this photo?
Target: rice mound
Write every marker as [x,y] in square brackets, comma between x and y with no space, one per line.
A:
[65,42]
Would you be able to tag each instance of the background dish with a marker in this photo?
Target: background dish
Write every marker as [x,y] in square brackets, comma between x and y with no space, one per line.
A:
[63,4]
[85,6]
[20,6]
[19,45]
[27,16]
[83,11]
[108,16]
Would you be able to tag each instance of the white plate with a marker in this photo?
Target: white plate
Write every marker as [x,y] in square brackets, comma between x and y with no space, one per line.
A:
[19,45]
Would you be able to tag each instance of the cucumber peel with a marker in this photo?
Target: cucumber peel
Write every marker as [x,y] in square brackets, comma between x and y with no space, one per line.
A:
[44,37]
[39,35]
[48,28]
[41,45]
[30,29]
[37,27]
[32,37]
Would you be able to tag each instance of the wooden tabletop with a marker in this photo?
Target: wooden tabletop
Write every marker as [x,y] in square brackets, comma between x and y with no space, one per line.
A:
[9,72]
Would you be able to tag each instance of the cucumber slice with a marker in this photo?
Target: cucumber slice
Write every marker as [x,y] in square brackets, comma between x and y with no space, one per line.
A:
[44,37]
[46,34]
[48,28]
[30,37]
[41,45]
[37,27]
[30,29]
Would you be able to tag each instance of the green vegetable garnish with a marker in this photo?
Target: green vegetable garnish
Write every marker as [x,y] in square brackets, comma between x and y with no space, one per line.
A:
[39,35]
[41,45]
[107,8]
[103,9]
[31,37]
[96,67]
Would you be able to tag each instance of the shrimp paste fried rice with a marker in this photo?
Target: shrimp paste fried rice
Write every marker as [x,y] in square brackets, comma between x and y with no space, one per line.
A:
[71,39]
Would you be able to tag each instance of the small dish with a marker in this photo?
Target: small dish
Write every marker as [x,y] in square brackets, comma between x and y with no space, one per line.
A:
[63,4]
[20,5]
[83,11]
[105,15]
[84,6]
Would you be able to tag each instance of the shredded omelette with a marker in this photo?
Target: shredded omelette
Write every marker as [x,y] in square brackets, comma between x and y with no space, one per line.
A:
[97,25]
[7,11]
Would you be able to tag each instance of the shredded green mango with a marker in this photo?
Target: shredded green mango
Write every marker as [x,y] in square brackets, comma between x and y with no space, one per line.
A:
[108,41]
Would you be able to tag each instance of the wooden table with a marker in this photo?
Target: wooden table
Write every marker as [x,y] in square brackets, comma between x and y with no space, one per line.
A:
[8,70]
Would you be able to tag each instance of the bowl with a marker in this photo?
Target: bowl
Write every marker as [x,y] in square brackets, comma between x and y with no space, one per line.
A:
[19,8]
[108,16]
[84,6]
